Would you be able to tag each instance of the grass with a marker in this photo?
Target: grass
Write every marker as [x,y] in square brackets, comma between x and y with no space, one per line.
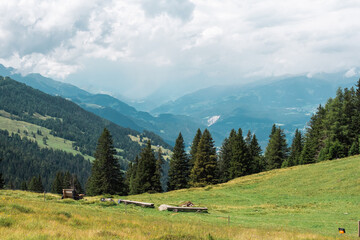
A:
[8,122]
[303,202]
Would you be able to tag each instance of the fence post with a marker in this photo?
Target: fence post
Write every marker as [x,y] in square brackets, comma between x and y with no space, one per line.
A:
[359,228]
[228,220]
[44,196]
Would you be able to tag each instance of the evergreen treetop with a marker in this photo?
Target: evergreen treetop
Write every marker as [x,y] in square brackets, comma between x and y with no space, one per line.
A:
[106,177]
[179,166]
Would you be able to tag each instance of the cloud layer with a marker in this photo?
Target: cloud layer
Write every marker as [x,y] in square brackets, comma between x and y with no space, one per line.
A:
[143,45]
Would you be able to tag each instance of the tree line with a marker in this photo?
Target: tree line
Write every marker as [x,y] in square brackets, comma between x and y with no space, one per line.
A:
[333,132]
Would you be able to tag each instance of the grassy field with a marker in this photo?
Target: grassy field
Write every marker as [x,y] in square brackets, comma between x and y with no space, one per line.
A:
[28,130]
[303,202]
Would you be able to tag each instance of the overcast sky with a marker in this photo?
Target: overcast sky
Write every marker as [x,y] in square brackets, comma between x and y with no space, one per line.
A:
[134,48]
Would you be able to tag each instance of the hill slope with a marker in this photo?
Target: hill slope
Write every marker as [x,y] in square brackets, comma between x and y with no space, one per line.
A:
[303,202]
[167,126]
[318,198]
[289,102]
[49,122]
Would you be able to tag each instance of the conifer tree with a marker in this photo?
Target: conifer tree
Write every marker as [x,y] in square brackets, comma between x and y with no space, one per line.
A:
[58,184]
[179,166]
[2,183]
[159,173]
[23,186]
[77,185]
[224,160]
[67,180]
[132,177]
[257,160]
[313,138]
[276,150]
[35,184]
[194,147]
[205,168]
[295,150]
[105,176]
[146,168]
[240,159]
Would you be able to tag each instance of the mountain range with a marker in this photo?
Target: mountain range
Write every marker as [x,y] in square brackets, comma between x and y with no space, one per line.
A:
[286,101]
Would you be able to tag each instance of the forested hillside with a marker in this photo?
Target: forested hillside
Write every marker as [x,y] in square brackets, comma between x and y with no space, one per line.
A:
[24,155]
[22,159]
[66,119]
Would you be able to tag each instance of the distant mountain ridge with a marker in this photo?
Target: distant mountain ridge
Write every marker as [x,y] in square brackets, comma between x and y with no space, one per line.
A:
[288,102]
[167,126]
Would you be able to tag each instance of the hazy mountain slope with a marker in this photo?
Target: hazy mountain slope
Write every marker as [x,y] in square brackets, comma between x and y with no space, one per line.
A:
[65,119]
[168,127]
[288,102]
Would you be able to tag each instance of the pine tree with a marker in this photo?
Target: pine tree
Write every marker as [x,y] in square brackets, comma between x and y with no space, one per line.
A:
[276,151]
[240,159]
[179,166]
[194,147]
[146,170]
[205,168]
[58,184]
[295,150]
[106,177]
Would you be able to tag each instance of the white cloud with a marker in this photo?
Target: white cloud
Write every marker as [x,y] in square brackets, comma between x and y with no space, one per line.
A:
[179,41]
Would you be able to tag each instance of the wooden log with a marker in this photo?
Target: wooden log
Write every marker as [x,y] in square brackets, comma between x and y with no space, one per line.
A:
[187,209]
[142,204]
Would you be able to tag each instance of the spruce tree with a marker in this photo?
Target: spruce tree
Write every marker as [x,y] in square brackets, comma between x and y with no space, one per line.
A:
[58,184]
[224,160]
[194,147]
[240,159]
[132,177]
[76,184]
[23,186]
[106,177]
[67,180]
[146,168]
[205,169]
[179,166]
[276,150]
[257,160]
[2,183]
[160,171]
[35,184]
[313,141]
[295,150]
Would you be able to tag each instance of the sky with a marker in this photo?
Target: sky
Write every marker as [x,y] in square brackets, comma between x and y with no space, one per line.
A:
[136,49]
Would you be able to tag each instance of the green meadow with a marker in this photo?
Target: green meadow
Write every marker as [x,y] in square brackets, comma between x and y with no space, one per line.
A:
[302,202]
